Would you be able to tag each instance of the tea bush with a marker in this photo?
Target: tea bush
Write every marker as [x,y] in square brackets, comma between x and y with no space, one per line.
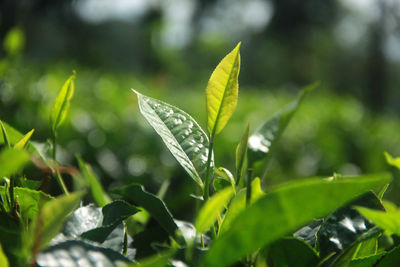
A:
[240,213]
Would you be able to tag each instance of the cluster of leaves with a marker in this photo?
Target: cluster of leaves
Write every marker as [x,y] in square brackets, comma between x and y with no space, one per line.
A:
[333,221]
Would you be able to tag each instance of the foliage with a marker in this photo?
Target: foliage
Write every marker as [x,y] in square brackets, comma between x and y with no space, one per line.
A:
[333,221]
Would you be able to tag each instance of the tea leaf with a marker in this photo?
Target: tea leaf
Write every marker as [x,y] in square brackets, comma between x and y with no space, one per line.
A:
[342,228]
[99,196]
[113,214]
[392,161]
[24,140]
[288,207]
[52,217]
[238,204]
[12,161]
[389,220]
[291,251]
[222,92]
[78,253]
[367,261]
[180,132]
[267,135]
[222,174]
[3,258]
[29,201]
[392,258]
[136,194]
[212,208]
[61,106]
[159,260]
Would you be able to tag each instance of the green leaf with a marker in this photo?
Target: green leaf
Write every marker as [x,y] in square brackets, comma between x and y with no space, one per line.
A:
[99,196]
[113,214]
[80,253]
[5,135]
[159,260]
[223,178]
[309,232]
[14,136]
[292,252]
[212,208]
[61,106]
[262,141]
[3,258]
[389,220]
[180,132]
[29,201]
[367,261]
[392,161]
[392,258]
[287,208]
[222,92]
[344,226]
[238,204]
[52,216]
[345,257]
[12,161]
[136,194]
[241,153]
[23,142]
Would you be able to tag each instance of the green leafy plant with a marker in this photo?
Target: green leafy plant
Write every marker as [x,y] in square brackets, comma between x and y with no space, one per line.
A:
[332,221]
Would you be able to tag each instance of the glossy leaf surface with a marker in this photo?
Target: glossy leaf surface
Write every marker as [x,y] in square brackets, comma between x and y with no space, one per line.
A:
[113,215]
[287,208]
[52,216]
[345,225]
[136,194]
[181,134]
[80,253]
[212,208]
[309,232]
[222,92]
[265,137]
[61,105]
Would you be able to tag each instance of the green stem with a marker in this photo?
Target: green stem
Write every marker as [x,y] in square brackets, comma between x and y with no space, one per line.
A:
[209,170]
[59,179]
[61,183]
[54,141]
[248,186]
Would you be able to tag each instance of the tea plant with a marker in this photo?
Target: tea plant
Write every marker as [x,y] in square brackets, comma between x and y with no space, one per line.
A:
[333,221]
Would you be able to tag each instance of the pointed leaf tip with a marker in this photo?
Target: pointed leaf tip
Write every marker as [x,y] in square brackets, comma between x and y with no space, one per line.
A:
[222,92]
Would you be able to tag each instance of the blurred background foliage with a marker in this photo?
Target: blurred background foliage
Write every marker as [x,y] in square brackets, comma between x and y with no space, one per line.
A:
[167,49]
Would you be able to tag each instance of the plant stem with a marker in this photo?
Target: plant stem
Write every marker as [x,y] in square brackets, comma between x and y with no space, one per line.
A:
[61,183]
[59,179]
[209,170]
[54,141]
[248,186]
